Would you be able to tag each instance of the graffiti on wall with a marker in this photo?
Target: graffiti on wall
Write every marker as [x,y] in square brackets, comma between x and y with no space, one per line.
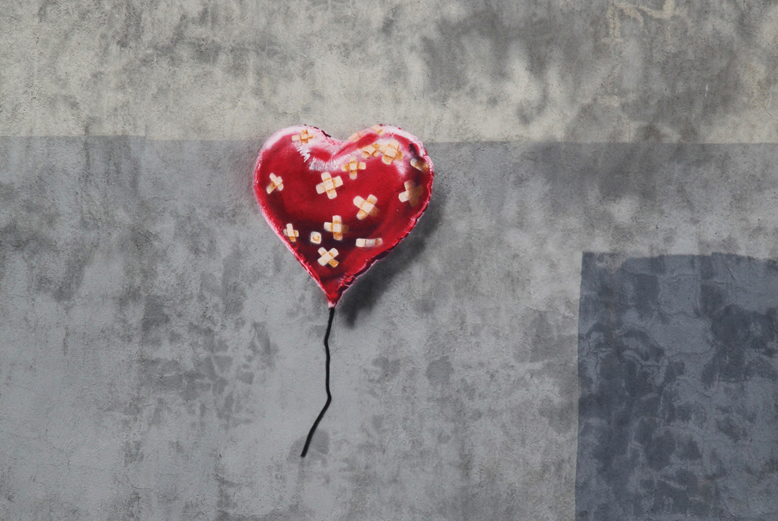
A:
[339,206]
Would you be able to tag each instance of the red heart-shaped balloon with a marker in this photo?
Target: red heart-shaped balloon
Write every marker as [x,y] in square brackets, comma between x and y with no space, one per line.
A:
[341,205]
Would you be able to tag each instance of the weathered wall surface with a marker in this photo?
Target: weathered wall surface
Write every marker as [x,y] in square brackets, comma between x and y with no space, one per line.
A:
[485,70]
[160,349]
[162,356]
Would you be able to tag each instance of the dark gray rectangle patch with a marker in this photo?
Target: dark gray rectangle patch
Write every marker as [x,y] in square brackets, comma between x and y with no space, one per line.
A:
[678,368]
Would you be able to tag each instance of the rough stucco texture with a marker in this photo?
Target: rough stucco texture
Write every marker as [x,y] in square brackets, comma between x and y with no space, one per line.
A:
[467,70]
[678,364]
[161,350]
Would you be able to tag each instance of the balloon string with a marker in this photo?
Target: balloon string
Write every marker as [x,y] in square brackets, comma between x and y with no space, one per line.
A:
[326,384]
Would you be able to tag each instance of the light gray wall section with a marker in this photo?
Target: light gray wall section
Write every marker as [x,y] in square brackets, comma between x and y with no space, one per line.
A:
[462,70]
[160,349]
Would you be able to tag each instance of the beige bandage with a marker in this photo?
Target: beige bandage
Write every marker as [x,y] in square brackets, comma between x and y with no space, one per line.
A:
[411,193]
[336,227]
[370,150]
[329,184]
[391,152]
[366,207]
[353,167]
[353,138]
[369,243]
[303,137]
[291,233]
[328,257]
[275,183]
[420,165]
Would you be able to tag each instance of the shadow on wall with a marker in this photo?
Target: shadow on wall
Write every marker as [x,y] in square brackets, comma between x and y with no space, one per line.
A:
[369,287]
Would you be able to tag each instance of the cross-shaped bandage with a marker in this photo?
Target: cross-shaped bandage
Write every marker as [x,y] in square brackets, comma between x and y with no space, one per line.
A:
[328,184]
[291,233]
[391,151]
[303,137]
[369,243]
[378,129]
[353,167]
[420,165]
[355,137]
[275,183]
[366,207]
[411,193]
[336,227]
[370,150]
[328,257]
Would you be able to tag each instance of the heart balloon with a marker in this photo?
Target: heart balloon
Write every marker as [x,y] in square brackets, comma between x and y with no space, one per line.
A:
[341,205]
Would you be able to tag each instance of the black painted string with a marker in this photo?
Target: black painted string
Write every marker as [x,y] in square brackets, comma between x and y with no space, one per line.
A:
[326,385]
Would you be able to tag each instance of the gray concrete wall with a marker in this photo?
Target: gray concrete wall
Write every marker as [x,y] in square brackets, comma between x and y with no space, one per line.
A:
[462,70]
[160,349]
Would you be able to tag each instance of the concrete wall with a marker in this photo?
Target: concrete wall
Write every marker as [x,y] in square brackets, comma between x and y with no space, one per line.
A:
[604,70]
[160,349]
